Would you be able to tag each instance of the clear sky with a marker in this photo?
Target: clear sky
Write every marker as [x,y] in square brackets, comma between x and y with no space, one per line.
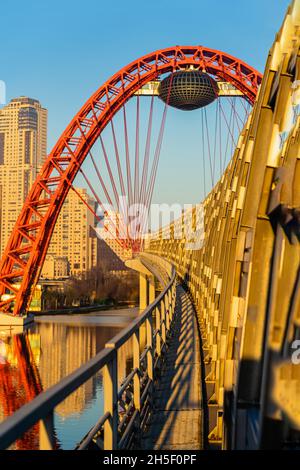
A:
[61,51]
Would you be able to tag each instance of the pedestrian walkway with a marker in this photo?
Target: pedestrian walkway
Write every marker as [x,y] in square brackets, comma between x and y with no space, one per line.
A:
[176,422]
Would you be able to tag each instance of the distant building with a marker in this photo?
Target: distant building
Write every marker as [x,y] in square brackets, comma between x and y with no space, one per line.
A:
[110,249]
[55,267]
[71,237]
[109,258]
[23,150]
[75,248]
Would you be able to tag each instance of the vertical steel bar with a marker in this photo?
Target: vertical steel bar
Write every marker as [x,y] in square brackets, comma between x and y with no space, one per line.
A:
[46,435]
[167,311]
[163,321]
[174,296]
[158,328]
[110,386]
[136,365]
[151,283]
[170,304]
[143,291]
[149,332]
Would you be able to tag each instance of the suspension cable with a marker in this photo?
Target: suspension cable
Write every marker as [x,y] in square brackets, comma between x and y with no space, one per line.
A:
[147,154]
[137,151]
[122,187]
[209,150]
[149,192]
[203,152]
[128,169]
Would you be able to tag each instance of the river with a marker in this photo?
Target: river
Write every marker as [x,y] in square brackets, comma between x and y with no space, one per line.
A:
[49,350]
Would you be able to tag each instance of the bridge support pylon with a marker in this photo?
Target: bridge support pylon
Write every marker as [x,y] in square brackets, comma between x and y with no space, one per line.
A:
[147,282]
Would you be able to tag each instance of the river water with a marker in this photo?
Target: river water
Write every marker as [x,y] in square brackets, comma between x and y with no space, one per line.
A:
[52,348]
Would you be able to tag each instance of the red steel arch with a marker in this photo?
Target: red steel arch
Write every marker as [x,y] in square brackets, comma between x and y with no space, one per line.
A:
[25,252]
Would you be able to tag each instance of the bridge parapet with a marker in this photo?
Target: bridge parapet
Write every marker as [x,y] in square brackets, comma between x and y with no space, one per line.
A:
[245,278]
[126,406]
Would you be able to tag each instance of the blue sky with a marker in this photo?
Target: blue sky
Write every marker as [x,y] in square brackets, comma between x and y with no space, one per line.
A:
[61,51]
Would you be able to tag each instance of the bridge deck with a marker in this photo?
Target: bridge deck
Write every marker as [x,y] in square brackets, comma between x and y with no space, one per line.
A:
[176,422]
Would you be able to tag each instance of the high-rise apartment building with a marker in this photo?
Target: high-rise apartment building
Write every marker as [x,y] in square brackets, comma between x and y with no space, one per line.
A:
[74,248]
[23,150]
[72,237]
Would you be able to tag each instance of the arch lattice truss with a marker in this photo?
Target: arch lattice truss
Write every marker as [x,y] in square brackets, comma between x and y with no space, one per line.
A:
[26,250]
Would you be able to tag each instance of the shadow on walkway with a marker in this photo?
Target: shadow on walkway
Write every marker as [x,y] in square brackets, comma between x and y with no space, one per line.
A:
[177,419]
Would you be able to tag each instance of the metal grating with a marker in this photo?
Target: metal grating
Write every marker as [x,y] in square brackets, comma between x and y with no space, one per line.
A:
[189,90]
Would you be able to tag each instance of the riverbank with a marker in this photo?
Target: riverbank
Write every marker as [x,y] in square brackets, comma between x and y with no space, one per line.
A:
[82,310]
[115,318]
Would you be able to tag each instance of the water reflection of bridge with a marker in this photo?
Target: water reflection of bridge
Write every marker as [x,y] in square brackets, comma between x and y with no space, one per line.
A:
[64,348]
[42,356]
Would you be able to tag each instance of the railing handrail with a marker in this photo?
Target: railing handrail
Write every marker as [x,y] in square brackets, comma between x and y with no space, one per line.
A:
[26,416]
[43,405]
[118,340]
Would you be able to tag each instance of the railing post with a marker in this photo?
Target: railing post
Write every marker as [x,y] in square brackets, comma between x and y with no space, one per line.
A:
[169,306]
[149,332]
[143,291]
[151,289]
[46,437]
[171,303]
[158,328]
[136,365]
[110,387]
[174,295]
[167,310]
[163,321]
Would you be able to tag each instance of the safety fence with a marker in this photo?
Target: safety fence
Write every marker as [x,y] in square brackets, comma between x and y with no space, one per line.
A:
[126,406]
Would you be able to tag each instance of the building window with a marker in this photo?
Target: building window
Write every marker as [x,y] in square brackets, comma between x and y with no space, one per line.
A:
[2,143]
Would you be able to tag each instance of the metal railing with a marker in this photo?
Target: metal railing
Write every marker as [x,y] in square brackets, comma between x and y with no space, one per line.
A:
[125,408]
